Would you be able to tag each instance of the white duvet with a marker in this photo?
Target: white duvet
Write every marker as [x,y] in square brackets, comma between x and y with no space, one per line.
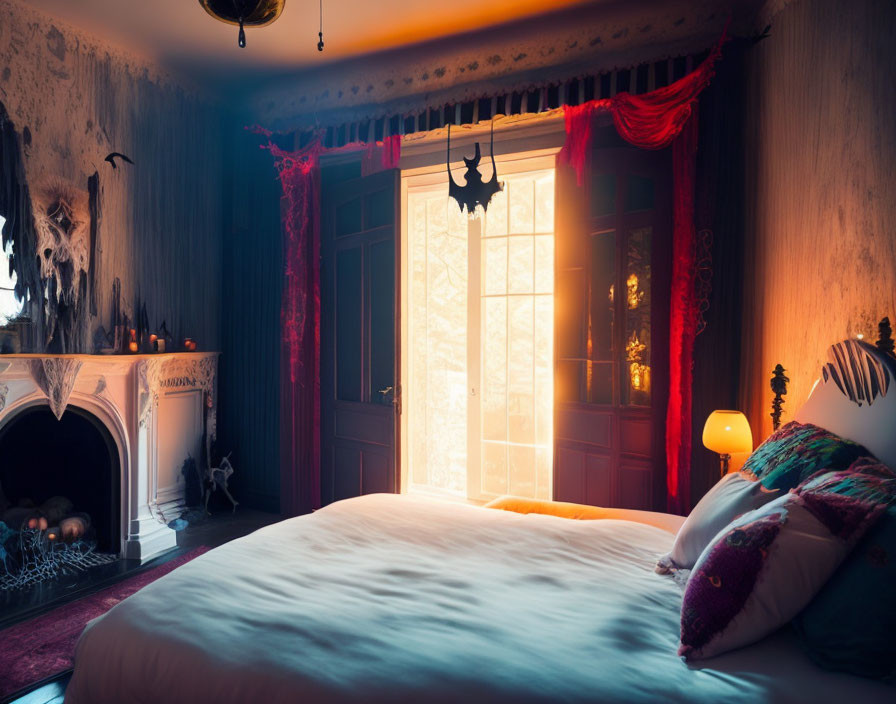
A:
[397,598]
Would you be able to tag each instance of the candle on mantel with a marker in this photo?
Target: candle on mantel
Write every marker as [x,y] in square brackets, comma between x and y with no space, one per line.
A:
[160,344]
[132,346]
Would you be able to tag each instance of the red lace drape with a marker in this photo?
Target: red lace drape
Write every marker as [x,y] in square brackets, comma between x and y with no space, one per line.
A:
[653,121]
[300,321]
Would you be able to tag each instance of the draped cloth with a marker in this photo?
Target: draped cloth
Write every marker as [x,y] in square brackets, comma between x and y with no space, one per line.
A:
[300,326]
[654,121]
[650,121]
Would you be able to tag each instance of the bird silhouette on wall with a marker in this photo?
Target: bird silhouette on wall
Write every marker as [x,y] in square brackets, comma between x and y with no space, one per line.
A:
[475,191]
[111,159]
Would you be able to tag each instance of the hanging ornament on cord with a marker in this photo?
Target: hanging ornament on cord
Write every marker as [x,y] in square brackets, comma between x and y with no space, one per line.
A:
[320,34]
[244,13]
[475,191]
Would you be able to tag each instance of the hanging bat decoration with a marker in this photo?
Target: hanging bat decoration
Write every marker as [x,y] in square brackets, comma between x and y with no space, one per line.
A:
[475,191]
[116,155]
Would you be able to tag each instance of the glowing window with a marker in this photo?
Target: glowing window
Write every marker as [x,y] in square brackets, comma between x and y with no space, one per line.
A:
[478,341]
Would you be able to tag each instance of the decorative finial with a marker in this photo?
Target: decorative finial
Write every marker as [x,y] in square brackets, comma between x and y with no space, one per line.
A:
[779,389]
[885,336]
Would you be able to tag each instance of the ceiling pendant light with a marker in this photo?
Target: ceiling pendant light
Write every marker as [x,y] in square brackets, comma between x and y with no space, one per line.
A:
[320,34]
[244,13]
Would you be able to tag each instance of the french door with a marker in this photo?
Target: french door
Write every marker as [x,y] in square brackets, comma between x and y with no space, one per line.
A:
[478,341]
[359,398]
[613,268]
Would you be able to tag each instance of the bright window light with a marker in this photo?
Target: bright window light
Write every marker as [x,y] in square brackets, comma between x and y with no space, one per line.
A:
[479,341]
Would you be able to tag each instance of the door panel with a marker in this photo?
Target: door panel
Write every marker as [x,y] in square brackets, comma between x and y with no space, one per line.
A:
[358,336]
[613,263]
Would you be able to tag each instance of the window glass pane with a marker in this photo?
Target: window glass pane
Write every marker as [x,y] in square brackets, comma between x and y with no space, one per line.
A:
[640,194]
[544,264]
[544,203]
[569,381]
[600,382]
[496,215]
[494,369]
[521,364]
[636,385]
[436,389]
[522,204]
[603,195]
[379,209]
[570,315]
[382,327]
[494,468]
[603,291]
[521,278]
[494,265]
[348,218]
[348,324]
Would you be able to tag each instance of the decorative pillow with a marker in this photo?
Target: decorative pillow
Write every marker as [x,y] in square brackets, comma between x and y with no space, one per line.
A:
[765,567]
[732,496]
[849,625]
[796,451]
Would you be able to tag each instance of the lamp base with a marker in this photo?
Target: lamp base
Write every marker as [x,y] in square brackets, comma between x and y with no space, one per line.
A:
[724,459]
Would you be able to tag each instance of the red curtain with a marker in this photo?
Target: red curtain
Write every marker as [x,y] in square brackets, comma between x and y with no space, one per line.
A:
[650,121]
[654,121]
[300,321]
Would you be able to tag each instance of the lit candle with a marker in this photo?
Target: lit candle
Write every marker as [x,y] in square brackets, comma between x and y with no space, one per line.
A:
[132,346]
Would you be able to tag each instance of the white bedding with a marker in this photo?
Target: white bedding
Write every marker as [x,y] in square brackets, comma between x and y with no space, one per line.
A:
[398,598]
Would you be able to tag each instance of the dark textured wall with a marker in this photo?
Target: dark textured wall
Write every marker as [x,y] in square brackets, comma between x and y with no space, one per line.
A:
[161,218]
[249,382]
[821,192]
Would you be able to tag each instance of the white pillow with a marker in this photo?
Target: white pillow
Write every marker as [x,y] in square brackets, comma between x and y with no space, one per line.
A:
[765,567]
[732,496]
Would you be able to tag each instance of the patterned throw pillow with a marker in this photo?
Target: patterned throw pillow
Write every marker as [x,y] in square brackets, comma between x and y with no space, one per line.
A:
[796,451]
[765,567]
[849,625]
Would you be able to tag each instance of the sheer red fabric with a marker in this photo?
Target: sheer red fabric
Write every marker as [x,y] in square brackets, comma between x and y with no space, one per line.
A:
[300,321]
[653,121]
[683,313]
[380,156]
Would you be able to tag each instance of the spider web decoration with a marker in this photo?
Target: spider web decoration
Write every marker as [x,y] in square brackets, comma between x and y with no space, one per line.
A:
[43,559]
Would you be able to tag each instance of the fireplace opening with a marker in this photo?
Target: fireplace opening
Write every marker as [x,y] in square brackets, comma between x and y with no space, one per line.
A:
[75,458]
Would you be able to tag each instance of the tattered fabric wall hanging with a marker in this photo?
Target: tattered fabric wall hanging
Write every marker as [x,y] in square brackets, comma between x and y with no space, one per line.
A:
[62,224]
[475,191]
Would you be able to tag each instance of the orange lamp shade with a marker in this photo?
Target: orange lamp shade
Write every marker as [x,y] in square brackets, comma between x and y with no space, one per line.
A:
[727,432]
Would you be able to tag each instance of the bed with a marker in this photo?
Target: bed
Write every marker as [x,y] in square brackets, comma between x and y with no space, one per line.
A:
[400,598]
[405,598]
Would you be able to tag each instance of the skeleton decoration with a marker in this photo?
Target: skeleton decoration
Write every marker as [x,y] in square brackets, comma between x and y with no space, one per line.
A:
[475,191]
[62,224]
[217,479]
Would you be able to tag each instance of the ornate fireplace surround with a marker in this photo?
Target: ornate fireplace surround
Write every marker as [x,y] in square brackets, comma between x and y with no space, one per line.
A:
[158,409]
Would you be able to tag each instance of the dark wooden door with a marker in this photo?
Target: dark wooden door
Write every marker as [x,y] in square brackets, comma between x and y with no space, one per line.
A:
[611,321]
[359,401]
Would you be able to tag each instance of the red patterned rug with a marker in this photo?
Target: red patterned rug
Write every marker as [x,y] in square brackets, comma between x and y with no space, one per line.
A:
[44,646]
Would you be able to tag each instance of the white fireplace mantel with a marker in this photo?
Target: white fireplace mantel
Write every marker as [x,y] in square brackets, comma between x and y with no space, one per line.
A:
[158,408]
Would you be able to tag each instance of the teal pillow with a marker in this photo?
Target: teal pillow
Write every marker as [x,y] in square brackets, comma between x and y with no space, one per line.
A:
[796,451]
[850,624]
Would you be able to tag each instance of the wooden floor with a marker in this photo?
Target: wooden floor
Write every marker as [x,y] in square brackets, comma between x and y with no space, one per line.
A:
[19,606]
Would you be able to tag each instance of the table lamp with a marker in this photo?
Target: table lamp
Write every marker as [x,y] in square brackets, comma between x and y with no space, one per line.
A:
[727,432]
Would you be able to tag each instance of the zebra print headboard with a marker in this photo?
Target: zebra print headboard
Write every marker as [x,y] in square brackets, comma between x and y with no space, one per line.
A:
[855,397]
